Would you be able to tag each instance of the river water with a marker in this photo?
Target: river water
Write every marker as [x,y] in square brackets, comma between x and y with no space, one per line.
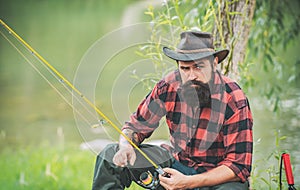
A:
[275,134]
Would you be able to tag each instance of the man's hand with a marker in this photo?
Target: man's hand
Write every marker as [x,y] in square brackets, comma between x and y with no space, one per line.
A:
[175,181]
[124,156]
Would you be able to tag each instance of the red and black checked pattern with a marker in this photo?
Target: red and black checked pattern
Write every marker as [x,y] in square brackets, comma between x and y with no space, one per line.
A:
[201,138]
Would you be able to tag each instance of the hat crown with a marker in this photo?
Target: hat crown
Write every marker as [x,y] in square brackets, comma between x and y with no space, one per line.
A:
[194,40]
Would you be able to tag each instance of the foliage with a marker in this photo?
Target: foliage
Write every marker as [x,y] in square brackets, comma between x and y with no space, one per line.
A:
[267,176]
[272,73]
[174,17]
[276,28]
[179,15]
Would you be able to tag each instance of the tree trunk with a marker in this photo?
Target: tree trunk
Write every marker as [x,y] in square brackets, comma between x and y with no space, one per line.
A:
[231,31]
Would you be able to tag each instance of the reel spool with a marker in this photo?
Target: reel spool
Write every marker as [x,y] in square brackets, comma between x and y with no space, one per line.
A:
[149,181]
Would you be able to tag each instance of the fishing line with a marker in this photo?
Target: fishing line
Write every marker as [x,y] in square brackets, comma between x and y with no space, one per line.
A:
[45,78]
[51,85]
[78,111]
[64,81]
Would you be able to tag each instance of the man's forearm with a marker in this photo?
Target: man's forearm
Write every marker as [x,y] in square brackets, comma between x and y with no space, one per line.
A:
[218,175]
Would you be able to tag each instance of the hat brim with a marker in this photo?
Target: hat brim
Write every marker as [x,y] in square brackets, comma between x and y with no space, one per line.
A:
[222,54]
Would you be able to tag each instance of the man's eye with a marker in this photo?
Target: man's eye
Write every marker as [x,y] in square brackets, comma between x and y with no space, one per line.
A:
[199,67]
[185,68]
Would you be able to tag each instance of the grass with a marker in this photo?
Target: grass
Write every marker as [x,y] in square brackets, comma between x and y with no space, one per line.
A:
[59,167]
[46,167]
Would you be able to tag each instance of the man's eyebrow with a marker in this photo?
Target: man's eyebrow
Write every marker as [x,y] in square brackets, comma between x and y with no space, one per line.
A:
[199,63]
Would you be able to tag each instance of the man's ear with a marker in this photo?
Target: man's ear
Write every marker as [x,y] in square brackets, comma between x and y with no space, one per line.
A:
[216,62]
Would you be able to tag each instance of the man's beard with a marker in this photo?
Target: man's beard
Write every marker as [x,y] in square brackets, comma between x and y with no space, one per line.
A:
[196,93]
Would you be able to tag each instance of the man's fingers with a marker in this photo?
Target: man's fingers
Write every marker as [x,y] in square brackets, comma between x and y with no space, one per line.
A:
[164,182]
[132,159]
[124,157]
[120,160]
[168,170]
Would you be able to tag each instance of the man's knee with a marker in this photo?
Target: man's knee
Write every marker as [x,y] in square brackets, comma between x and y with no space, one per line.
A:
[108,152]
[107,175]
[232,186]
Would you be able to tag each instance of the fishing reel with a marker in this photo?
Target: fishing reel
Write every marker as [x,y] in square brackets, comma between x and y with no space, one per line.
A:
[148,180]
[151,181]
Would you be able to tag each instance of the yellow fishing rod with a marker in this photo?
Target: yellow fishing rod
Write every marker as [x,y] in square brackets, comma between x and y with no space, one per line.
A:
[72,87]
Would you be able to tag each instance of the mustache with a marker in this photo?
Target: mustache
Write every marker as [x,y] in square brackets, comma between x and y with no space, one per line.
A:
[195,84]
[196,93]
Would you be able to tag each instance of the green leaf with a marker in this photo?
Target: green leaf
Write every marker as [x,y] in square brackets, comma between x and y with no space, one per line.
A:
[269,58]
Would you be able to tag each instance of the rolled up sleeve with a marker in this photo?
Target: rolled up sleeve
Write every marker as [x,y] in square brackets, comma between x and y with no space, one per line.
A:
[238,139]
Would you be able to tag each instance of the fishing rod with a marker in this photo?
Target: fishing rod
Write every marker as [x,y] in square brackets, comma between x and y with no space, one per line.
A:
[145,178]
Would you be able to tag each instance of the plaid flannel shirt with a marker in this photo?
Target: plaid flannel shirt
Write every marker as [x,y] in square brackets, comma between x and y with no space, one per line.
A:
[200,138]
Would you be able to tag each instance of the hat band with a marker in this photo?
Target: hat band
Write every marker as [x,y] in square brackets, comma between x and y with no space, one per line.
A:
[195,50]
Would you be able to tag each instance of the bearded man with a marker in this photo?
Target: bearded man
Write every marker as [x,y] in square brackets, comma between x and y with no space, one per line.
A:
[209,121]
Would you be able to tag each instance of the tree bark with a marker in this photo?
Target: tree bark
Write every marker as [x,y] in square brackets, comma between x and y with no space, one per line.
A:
[231,31]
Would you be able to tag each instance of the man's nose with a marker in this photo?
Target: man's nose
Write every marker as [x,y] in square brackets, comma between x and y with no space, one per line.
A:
[192,75]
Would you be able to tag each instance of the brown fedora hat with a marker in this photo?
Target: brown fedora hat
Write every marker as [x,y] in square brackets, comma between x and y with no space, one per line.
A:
[195,45]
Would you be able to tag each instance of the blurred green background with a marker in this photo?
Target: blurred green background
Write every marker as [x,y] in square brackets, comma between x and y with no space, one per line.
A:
[39,140]
[39,143]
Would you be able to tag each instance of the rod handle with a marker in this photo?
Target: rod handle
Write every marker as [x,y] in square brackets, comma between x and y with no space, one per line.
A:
[162,172]
[288,168]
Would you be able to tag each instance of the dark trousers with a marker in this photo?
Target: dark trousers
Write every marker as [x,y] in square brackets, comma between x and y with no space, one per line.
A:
[108,176]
